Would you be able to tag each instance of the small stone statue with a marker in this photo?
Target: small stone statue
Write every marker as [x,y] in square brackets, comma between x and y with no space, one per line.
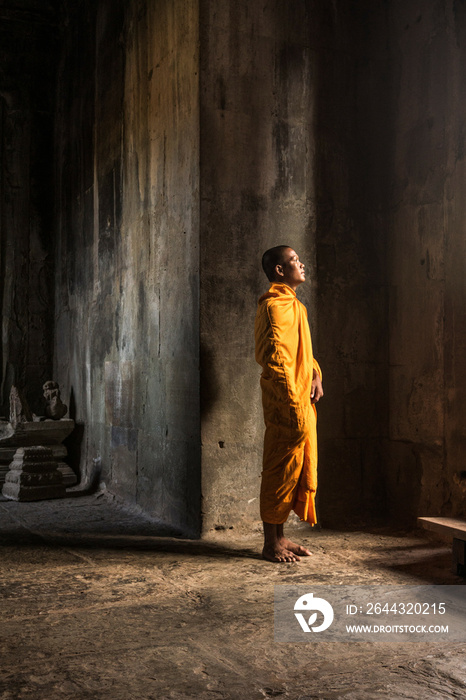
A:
[19,409]
[55,408]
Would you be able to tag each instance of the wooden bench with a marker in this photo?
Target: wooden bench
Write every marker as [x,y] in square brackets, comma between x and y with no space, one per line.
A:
[455,528]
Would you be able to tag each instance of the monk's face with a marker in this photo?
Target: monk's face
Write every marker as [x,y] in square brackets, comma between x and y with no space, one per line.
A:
[291,270]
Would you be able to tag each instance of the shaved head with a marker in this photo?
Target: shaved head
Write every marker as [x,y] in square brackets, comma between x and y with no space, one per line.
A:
[272,258]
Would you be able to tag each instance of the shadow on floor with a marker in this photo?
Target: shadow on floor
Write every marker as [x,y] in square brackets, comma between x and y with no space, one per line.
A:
[86,540]
[426,563]
[100,521]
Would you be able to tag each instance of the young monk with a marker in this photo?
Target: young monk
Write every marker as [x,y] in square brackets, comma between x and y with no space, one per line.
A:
[291,386]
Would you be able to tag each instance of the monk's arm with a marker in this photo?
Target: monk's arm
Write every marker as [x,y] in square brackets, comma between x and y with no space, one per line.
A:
[275,355]
[317,391]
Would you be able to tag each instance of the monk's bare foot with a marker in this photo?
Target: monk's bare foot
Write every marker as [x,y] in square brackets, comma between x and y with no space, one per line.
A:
[295,548]
[278,553]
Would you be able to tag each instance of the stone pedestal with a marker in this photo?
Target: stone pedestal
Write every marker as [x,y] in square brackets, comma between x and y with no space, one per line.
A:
[37,432]
[33,476]
[69,477]
[49,433]
[6,457]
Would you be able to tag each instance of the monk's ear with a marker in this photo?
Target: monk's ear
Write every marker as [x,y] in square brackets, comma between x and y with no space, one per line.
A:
[279,270]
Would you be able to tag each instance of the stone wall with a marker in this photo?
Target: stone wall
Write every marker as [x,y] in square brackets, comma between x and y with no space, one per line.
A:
[28,51]
[127,258]
[257,191]
[352,134]
[390,259]
[295,148]
[427,256]
[371,154]
[189,137]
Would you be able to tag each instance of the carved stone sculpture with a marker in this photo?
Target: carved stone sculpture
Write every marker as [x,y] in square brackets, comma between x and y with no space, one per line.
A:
[33,476]
[26,430]
[19,409]
[55,408]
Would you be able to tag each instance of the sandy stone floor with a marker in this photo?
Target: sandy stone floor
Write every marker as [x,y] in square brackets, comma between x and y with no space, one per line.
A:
[95,605]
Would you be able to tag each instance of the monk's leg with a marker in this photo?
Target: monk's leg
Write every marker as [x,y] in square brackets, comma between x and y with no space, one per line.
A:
[274,547]
[291,546]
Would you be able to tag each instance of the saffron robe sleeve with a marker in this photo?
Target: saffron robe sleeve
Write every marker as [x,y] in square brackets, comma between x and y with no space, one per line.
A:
[284,351]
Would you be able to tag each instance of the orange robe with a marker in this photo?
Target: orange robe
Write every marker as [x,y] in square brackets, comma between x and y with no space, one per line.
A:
[284,351]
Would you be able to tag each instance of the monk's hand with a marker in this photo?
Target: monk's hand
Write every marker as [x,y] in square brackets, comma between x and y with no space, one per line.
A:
[316,388]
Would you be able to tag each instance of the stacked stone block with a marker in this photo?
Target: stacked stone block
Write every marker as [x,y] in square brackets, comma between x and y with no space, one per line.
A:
[33,476]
